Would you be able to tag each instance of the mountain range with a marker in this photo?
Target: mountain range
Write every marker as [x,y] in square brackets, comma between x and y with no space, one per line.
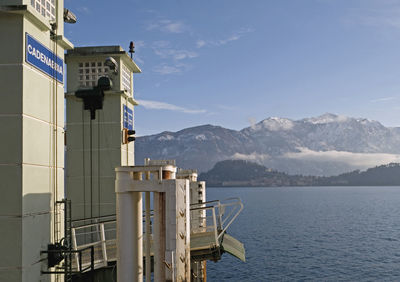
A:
[326,145]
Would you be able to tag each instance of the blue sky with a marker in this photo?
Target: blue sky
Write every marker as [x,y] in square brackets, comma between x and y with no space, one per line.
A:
[232,63]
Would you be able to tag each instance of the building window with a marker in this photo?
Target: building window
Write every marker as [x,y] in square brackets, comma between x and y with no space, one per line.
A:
[126,79]
[45,7]
[96,70]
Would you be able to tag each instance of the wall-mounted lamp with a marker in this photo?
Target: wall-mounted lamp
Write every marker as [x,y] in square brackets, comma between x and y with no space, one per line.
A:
[69,17]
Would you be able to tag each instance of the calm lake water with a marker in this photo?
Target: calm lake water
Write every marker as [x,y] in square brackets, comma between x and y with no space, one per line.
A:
[313,234]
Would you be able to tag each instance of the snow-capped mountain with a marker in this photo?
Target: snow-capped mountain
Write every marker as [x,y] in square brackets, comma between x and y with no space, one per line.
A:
[324,145]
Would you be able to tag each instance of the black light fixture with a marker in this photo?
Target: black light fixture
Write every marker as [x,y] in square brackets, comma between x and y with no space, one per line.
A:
[69,17]
[93,98]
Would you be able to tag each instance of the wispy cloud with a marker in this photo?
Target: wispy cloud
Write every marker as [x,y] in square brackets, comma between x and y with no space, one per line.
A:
[156,105]
[254,157]
[175,54]
[167,26]
[201,43]
[139,44]
[171,68]
[233,37]
[384,99]
[382,15]
[164,50]
[139,60]
[355,159]
[165,69]
[83,10]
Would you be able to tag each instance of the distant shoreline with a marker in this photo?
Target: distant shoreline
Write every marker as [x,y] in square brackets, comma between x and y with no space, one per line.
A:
[239,173]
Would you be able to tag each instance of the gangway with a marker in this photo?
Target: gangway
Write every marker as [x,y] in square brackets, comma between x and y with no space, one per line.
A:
[208,236]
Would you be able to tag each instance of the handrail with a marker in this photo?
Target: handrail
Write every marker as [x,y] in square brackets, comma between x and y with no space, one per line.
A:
[93,224]
[223,213]
[234,216]
[224,220]
[100,240]
[99,219]
[93,218]
[208,202]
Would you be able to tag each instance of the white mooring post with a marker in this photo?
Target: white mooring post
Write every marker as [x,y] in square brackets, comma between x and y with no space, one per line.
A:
[171,221]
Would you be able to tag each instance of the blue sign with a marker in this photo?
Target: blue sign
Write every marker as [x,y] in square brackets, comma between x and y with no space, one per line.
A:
[39,56]
[128,118]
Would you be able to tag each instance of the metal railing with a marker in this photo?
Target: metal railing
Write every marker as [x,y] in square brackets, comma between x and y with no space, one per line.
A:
[214,216]
[100,233]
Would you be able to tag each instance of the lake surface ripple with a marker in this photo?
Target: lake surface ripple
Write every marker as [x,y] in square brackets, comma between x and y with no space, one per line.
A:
[313,234]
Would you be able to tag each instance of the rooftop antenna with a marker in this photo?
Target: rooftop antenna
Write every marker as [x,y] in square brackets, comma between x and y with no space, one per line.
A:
[131,48]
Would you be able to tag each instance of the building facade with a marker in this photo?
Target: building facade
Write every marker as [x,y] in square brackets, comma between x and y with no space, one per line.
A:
[95,138]
[32,131]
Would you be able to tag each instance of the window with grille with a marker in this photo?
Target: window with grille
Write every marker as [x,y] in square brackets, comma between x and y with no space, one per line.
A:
[90,72]
[126,79]
[47,8]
